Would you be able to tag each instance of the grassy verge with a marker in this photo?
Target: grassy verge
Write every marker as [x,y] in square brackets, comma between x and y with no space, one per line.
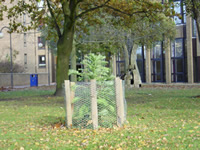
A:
[24,93]
[158,119]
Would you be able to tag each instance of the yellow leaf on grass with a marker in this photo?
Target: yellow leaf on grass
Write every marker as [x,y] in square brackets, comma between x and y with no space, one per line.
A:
[21,148]
[190,145]
[190,131]
[36,143]
[84,141]
[196,127]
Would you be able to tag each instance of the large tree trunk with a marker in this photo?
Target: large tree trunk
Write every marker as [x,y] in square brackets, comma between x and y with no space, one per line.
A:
[64,47]
[73,63]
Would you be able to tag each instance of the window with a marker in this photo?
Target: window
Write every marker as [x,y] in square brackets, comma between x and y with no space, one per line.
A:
[178,60]
[141,61]
[40,4]
[194,28]
[139,52]
[157,63]
[120,64]
[157,50]
[24,19]
[179,8]
[42,61]
[25,60]
[41,43]
[177,48]
[25,39]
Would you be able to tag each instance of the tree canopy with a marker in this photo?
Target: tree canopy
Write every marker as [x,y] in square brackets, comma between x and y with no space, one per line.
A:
[193,9]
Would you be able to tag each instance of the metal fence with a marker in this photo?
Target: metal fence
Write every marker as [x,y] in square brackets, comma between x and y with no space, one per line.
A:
[95,104]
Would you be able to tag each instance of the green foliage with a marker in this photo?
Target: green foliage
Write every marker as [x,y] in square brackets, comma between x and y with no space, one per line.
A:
[98,47]
[14,55]
[5,64]
[146,32]
[193,9]
[106,100]
[94,68]
[5,67]
[105,104]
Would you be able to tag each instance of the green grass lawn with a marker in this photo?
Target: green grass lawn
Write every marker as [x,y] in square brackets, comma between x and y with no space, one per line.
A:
[157,119]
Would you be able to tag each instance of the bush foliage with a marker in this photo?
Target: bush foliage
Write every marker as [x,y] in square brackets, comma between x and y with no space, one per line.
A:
[5,67]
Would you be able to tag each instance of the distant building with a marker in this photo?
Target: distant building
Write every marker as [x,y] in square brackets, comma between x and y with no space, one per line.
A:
[30,51]
[178,62]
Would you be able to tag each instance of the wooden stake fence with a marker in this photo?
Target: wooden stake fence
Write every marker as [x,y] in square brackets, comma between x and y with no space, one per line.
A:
[69,96]
[68,104]
[93,89]
[119,101]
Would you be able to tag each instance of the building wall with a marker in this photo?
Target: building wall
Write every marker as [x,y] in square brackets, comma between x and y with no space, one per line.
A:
[190,63]
[180,68]
[25,49]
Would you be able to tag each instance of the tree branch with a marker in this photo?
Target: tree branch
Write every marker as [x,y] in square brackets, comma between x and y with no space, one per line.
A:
[196,16]
[194,10]
[64,4]
[125,13]
[53,16]
[91,9]
[117,10]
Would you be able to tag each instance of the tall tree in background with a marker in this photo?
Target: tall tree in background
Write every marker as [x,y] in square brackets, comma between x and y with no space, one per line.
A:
[142,32]
[193,9]
[145,33]
[68,16]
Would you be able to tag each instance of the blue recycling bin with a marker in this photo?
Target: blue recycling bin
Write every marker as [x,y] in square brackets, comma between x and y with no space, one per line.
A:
[33,80]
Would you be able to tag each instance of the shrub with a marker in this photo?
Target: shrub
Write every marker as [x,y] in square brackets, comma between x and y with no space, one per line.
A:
[94,68]
[5,67]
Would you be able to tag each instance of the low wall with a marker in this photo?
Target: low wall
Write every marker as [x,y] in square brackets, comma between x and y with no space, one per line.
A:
[20,79]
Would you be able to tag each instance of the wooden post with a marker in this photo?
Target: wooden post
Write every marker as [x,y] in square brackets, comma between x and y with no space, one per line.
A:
[114,65]
[119,101]
[72,97]
[122,101]
[68,104]
[94,109]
